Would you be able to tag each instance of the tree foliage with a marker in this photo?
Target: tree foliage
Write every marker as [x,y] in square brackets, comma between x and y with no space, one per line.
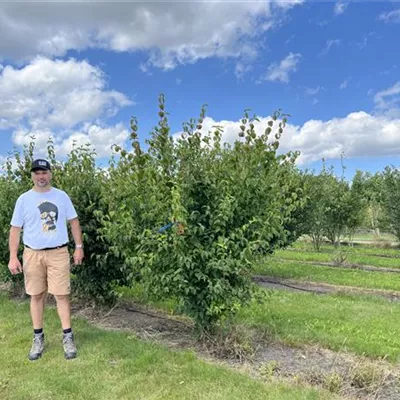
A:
[226,203]
[333,208]
[391,198]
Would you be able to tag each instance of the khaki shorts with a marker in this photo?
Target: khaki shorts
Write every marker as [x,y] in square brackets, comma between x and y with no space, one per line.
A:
[47,271]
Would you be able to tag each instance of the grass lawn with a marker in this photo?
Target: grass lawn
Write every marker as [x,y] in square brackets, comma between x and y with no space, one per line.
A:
[370,236]
[361,324]
[366,325]
[367,236]
[354,257]
[331,275]
[361,249]
[116,365]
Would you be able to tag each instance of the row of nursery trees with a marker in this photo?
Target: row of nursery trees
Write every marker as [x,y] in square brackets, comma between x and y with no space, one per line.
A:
[223,205]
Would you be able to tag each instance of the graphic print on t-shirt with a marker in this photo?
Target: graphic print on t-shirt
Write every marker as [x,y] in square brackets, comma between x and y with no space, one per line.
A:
[49,216]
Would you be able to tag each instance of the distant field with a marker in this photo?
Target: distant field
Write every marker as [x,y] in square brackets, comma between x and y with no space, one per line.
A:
[371,237]
[378,258]
[367,236]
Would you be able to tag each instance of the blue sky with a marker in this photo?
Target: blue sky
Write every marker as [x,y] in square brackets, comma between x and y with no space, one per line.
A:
[78,72]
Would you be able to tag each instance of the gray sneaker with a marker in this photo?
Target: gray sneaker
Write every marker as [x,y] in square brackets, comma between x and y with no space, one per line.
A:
[37,347]
[69,346]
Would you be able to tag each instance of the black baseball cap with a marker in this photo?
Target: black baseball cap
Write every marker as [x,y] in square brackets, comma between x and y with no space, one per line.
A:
[40,164]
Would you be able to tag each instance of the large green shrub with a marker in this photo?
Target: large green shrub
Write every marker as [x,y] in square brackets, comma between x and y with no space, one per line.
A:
[228,202]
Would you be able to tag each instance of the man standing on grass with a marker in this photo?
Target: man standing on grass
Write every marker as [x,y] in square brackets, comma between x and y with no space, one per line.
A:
[42,213]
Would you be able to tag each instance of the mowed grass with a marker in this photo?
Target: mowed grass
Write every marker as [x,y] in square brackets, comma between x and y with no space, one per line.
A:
[368,325]
[116,365]
[330,275]
[367,236]
[364,325]
[351,257]
[360,249]
[371,237]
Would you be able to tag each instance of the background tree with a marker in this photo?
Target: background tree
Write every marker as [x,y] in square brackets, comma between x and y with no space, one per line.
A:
[370,186]
[391,198]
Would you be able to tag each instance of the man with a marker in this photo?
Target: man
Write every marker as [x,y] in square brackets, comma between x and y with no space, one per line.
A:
[42,213]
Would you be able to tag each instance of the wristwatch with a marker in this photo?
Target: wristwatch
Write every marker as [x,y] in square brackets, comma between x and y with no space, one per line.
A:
[79,246]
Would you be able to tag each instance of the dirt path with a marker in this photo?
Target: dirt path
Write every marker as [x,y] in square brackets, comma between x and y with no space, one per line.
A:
[320,288]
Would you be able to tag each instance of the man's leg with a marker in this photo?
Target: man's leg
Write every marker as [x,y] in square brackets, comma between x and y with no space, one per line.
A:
[36,287]
[58,274]
[64,310]
[37,309]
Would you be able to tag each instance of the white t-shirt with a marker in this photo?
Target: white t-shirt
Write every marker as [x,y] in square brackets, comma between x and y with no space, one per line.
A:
[43,217]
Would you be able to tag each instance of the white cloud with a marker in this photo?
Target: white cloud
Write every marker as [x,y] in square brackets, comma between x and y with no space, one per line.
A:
[241,69]
[359,134]
[55,94]
[340,7]
[322,23]
[280,72]
[100,137]
[173,33]
[291,38]
[344,84]
[328,45]
[364,42]
[388,100]
[391,16]
[313,91]
[65,100]
[389,70]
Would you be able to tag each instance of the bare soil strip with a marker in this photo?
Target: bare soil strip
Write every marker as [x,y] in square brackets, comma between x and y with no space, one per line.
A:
[320,288]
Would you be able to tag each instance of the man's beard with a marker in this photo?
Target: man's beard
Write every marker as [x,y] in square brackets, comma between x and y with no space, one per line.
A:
[42,183]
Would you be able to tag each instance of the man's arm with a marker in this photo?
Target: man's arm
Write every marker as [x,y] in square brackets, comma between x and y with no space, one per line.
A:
[13,243]
[77,235]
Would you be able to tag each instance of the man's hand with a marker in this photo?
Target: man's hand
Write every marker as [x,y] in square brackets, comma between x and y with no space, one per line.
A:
[14,266]
[78,256]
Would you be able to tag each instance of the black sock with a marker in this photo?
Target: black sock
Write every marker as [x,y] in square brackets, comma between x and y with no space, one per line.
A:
[38,331]
[65,331]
